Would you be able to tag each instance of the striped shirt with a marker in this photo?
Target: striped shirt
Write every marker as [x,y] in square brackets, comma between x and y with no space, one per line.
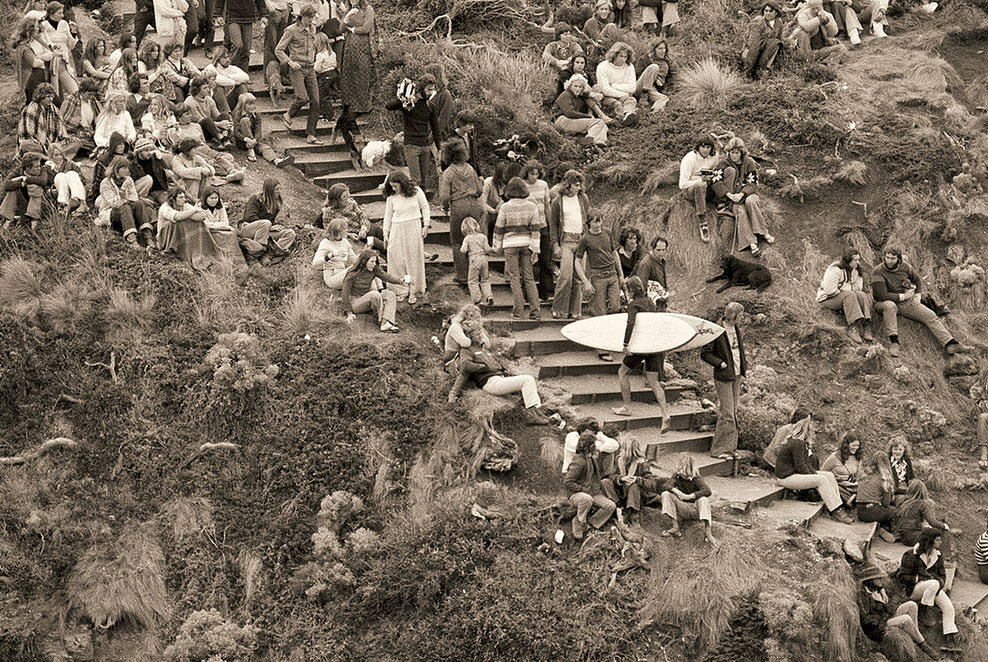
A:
[981,549]
[517,225]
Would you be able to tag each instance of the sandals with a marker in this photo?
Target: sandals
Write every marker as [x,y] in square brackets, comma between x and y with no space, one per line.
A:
[670,533]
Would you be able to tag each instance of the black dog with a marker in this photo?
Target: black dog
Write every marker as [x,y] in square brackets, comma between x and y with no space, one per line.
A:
[739,272]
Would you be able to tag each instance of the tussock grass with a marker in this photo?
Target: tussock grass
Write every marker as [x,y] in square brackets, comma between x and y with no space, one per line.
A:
[121,582]
[20,287]
[128,318]
[66,306]
[898,646]
[310,305]
[190,517]
[221,303]
[836,611]
[707,85]
[551,451]
[853,172]
[250,572]
[667,175]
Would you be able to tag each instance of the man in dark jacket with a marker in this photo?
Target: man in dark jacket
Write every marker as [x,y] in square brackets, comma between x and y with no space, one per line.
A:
[897,289]
[463,131]
[726,355]
[688,499]
[421,131]
[878,612]
[239,17]
[582,482]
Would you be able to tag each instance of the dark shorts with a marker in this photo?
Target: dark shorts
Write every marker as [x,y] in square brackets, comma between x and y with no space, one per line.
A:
[653,362]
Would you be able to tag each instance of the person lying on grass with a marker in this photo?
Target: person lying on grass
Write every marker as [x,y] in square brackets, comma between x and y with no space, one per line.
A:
[653,363]
[688,499]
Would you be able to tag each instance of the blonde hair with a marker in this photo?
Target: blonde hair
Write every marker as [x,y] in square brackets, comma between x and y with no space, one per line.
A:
[732,311]
[470,225]
[574,78]
[686,467]
[336,228]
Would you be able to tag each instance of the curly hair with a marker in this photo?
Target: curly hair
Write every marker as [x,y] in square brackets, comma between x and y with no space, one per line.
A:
[628,231]
[618,47]
[516,188]
[587,443]
[530,165]
[404,182]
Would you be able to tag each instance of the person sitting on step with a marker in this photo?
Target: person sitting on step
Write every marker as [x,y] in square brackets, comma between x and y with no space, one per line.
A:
[490,374]
[875,490]
[901,462]
[653,363]
[696,171]
[921,573]
[842,288]
[688,499]
[583,483]
[781,436]
[604,443]
[793,471]
[897,290]
[917,513]
[248,133]
[735,187]
[844,464]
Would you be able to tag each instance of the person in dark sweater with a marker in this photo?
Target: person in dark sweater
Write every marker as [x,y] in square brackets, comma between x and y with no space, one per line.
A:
[726,355]
[651,269]
[878,613]
[147,162]
[688,499]
[640,303]
[360,293]
[917,513]
[897,290]
[631,249]
[921,574]
[583,484]
[575,112]
[874,495]
[794,471]
[421,130]
[463,131]
[239,17]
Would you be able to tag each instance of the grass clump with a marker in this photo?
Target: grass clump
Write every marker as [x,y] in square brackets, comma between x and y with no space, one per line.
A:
[121,582]
[707,85]
[207,635]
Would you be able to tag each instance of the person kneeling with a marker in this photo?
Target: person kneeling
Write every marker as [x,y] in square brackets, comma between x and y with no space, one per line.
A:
[688,499]
[583,485]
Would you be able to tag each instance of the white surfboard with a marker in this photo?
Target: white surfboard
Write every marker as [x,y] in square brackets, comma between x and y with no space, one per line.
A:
[654,332]
[706,331]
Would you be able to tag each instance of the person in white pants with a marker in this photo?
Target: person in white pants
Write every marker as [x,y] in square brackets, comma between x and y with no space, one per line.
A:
[794,471]
[922,574]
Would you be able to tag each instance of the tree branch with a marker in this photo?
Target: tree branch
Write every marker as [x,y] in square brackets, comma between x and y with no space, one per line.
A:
[57,442]
[112,367]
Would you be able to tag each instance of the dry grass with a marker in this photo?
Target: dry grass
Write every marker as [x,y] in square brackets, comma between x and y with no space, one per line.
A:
[190,517]
[128,318]
[222,304]
[20,287]
[667,175]
[250,572]
[898,646]
[66,306]
[121,582]
[852,172]
[311,306]
[551,452]
[707,85]
[836,611]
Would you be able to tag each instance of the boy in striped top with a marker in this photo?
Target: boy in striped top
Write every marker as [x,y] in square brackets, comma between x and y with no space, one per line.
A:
[516,232]
[981,555]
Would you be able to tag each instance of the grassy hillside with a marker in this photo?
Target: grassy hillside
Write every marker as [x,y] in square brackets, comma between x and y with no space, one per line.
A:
[337,526]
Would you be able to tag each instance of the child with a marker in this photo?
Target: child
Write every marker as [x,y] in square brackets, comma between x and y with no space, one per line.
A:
[476,247]
[326,75]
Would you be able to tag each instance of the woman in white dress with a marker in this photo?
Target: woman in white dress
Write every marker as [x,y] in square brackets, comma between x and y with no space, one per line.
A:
[406,222]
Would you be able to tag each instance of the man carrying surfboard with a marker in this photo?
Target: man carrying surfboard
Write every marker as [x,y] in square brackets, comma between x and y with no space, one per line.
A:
[640,303]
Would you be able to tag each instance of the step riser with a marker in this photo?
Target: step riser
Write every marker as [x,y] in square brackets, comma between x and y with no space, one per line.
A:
[767,499]
[539,347]
[548,372]
[692,445]
[334,148]
[687,421]
[321,168]
[672,395]
[359,182]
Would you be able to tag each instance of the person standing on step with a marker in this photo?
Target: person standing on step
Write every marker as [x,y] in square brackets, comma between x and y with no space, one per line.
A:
[420,130]
[297,49]
[584,487]
[981,555]
[459,193]
[279,15]
[897,290]
[406,223]
[726,355]
[463,130]
[696,171]
[654,374]
[476,247]
[538,192]
[793,471]
[630,249]
[357,80]
[441,102]
[516,232]
[688,499]
[875,492]
[239,17]
[604,280]
[842,288]
[921,573]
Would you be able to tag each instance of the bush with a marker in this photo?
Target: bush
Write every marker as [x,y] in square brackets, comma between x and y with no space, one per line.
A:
[707,85]
[207,635]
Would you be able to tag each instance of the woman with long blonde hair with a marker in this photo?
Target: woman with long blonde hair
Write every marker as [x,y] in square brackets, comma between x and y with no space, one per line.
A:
[875,492]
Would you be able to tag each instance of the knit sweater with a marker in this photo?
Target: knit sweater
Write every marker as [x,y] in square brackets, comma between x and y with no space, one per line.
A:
[889,284]
[358,283]
[517,225]
[793,459]
[459,181]
[872,489]
[615,81]
[421,128]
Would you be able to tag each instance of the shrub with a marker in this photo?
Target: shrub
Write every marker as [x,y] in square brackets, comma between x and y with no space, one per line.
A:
[208,636]
[707,85]
[20,287]
[335,508]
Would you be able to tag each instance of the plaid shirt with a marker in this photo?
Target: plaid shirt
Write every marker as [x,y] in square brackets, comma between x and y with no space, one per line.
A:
[42,124]
[72,114]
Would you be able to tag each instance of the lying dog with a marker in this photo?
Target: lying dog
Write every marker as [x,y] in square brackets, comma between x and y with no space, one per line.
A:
[272,76]
[739,272]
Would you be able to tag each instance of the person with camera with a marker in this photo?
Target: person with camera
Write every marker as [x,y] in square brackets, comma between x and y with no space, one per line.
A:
[695,172]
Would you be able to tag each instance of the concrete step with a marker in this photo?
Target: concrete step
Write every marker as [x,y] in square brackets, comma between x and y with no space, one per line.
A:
[297,145]
[500,318]
[858,533]
[747,492]
[673,441]
[316,164]
[605,388]
[199,58]
[445,254]
[790,512]
[356,180]
[542,340]
[685,416]
[375,211]
[575,363]
[965,592]
[276,127]
[706,465]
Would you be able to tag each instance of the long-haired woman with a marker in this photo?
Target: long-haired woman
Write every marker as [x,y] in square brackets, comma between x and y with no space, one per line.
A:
[406,222]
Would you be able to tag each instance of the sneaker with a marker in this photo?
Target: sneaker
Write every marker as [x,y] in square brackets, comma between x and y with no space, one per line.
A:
[287,119]
[885,535]
[769,239]
[840,516]
[621,411]
[433,258]
[388,327]
[312,140]
[955,347]
[855,38]
[853,334]
[533,416]
[704,233]
[894,349]
[631,119]
[284,161]
[878,30]
[577,529]
[755,251]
